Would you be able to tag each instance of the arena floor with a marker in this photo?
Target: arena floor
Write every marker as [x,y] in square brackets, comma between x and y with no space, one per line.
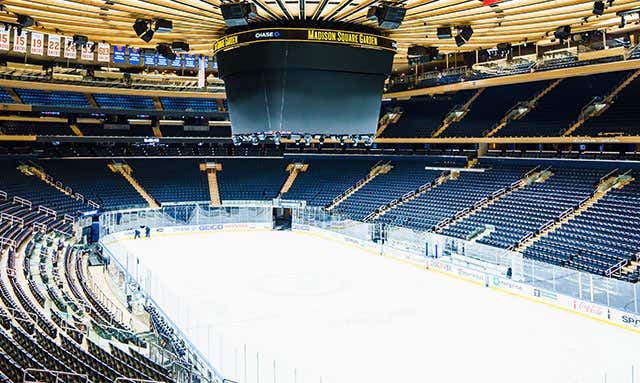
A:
[299,308]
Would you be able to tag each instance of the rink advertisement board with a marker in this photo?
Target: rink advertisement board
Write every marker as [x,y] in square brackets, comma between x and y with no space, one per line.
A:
[489,280]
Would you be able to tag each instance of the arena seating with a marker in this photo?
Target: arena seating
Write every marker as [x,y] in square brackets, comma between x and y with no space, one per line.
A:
[172,181]
[490,107]
[526,210]
[556,110]
[251,179]
[111,101]
[600,237]
[5,97]
[53,98]
[189,104]
[31,128]
[455,195]
[619,119]
[407,175]
[422,116]
[327,178]
[110,190]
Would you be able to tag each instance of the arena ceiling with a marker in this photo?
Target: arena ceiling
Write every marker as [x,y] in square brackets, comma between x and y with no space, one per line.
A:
[199,22]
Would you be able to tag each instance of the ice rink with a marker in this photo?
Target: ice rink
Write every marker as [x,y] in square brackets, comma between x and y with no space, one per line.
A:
[305,309]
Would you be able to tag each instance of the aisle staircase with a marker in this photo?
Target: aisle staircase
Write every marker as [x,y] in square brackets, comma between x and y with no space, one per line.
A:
[457,114]
[92,101]
[212,169]
[126,171]
[32,169]
[444,177]
[74,128]
[294,169]
[156,129]
[534,175]
[375,171]
[604,187]
[391,117]
[14,95]
[157,103]
[597,107]
[522,108]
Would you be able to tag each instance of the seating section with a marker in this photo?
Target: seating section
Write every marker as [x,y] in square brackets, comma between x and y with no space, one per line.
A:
[35,128]
[327,178]
[172,181]
[406,176]
[455,195]
[559,108]
[53,98]
[527,210]
[422,116]
[112,101]
[106,188]
[620,118]
[189,104]
[5,97]
[490,107]
[599,238]
[251,179]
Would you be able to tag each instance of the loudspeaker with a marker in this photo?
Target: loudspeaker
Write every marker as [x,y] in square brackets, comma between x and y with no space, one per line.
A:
[598,8]
[466,32]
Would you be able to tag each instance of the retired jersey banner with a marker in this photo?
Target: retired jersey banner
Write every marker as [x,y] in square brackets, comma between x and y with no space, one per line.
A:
[53,46]
[4,39]
[70,51]
[190,61]
[177,63]
[104,51]
[37,43]
[19,41]
[86,53]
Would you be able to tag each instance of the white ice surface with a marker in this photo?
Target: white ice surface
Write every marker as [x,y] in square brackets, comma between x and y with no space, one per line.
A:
[327,312]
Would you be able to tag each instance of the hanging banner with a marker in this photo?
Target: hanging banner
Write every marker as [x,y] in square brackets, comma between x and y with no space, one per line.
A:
[118,54]
[134,56]
[190,61]
[53,46]
[103,52]
[4,39]
[150,59]
[177,63]
[19,41]
[86,53]
[201,71]
[37,43]
[70,51]
[161,60]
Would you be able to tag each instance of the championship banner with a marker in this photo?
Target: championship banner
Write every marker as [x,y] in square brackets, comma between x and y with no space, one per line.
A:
[103,52]
[53,46]
[161,60]
[70,51]
[190,61]
[86,53]
[19,41]
[4,39]
[134,56]
[37,43]
[356,39]
[118,54]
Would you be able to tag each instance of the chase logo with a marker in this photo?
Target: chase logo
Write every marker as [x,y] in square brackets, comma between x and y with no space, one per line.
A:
[267,35]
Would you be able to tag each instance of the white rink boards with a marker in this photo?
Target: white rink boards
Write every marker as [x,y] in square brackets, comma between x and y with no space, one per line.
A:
[298,308]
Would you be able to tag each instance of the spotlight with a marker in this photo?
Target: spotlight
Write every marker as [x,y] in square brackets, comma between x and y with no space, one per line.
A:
[143,29]
[388,16]
[563,32]
[307,140]
[466,32]
[355,140]
[598,8]
[444,33]
[163,26]
[238,13]
[180,46]
[80,40]
[254,140]
[277,138]
[459,41]
[166,51]
[236,141]
[93,47]
[25,21]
